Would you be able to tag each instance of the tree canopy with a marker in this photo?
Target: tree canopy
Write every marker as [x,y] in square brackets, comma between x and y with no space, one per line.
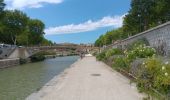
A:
[2,5]
[143,15]
[18,29]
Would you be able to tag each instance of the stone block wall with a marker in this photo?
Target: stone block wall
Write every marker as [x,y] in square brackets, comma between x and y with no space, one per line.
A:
[158,37]
[9,62]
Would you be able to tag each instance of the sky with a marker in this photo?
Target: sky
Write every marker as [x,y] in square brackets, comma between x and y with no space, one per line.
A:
[74,21]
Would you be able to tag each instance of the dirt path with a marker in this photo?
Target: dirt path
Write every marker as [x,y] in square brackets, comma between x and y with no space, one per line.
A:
[88,79]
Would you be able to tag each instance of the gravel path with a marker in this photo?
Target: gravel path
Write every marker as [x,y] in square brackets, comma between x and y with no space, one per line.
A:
[88,79]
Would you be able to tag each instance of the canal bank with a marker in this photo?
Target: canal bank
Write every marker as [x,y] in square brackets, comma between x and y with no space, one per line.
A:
[9,62]
[6,63]
[88,79]
[16,83]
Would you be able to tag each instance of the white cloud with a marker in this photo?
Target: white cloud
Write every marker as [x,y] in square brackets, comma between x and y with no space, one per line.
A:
[90,25]
[22,4]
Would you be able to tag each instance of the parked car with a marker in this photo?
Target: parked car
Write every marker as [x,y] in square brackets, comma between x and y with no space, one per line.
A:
[1,45]
[20,46]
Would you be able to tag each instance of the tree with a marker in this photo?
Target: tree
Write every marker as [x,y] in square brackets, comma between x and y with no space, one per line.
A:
[2,5]
[46,42]
[140,16]
[162,10]
[17,28]
[36,31]
[143,14]
[22,39]
[100,41]
[110,37]
[15,23]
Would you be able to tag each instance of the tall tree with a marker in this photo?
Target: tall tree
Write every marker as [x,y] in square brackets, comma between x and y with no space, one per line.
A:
[144,14]
[2,5]
[17,28]
[162,11]
[15,23]
[140,16]
[36,31]
[100,41]
[110,37]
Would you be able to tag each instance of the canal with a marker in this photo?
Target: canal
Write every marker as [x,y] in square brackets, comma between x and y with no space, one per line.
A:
[18,82]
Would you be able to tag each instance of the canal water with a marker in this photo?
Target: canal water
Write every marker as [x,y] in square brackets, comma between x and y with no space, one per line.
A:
[18,82]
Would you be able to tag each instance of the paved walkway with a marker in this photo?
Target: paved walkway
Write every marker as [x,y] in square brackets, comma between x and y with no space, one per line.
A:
[88,79]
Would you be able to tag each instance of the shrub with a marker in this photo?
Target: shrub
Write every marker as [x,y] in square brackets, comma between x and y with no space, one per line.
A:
[38,57]
[155,74]
[22,61]
[112,52]
[101,56]
[141,51]
[120,62]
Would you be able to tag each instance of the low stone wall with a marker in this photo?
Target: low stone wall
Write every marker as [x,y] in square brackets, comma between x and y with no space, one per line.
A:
[9,62]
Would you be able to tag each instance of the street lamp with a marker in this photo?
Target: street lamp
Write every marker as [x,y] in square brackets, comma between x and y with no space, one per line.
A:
[139,22]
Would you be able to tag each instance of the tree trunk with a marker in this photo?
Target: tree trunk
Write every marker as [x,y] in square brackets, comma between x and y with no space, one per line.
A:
[14,39]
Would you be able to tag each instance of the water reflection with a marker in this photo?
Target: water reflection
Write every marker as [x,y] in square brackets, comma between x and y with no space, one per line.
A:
[18,82]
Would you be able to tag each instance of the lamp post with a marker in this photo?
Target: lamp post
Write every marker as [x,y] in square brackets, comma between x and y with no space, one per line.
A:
[139,22]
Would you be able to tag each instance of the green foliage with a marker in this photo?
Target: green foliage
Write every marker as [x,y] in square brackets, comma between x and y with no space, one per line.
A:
[120,62]
[109,37]
[40,56]
[36,28]
[162,10]
[22,61]
[143,15]
[101,56]
[112,52]
[155,74]
[152,74]
[46,42]
[140,16]
[108,53]
[140,51]
[100,42]
[17,28]
[141,41]
[2,5]
[14,24]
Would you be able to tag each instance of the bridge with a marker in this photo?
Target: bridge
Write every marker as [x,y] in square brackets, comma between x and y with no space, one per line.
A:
[9,51]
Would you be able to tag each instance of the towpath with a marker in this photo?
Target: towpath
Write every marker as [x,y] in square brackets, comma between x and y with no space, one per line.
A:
[88,79]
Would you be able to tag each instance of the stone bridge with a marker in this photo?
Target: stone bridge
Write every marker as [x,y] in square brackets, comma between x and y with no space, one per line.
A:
[62,48]
[26,52]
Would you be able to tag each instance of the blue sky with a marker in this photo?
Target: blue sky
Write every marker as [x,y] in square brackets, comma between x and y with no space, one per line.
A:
[74,21]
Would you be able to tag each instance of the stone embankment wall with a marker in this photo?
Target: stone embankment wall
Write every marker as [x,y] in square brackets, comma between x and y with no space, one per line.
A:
[19,53]
[158,37]
[9,62]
